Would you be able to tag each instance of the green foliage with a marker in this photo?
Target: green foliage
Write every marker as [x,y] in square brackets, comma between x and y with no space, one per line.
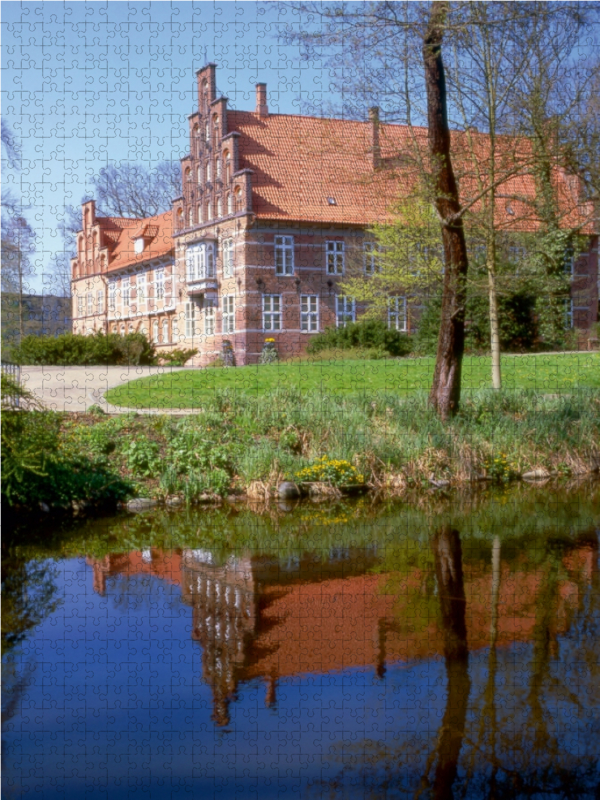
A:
[142,457]
[178,357]
[14,394]
[517,318]
[77,350]
[407,260]
[36,468]
[366,334]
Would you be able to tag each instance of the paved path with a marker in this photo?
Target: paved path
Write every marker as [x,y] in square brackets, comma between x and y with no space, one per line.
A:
[78,388]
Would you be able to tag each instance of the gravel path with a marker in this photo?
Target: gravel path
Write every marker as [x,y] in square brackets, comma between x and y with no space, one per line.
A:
[77,388]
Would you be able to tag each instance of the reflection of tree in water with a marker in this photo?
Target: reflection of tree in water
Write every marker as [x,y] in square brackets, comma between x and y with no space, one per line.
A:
[28,597]
[505,752]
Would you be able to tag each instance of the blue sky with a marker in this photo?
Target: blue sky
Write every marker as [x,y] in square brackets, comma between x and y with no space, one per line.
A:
[87,83]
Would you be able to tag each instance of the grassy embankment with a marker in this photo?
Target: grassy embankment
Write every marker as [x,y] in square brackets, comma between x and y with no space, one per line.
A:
[191,389]
[245,440]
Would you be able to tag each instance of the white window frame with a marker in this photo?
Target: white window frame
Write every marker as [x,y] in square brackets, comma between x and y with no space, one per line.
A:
[165,328]
[398,313]
[155,331]
[138,246]
[345,310]
[309,313]
[90,304]
[141,290]
[208,171]
[284,255]
[190,319]
[219,208]
[272,316]
[370,252]
[228,313]
[227,258]
[100,301]
[80,305]
[335,258]
[200,262]
[112,295]
[568,313]
[159,283]
[125,292]
[209,318]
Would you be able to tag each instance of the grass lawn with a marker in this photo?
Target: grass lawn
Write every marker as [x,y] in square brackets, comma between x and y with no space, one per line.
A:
[550,373]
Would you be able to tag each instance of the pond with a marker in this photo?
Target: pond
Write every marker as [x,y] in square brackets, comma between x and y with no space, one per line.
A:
[449,648]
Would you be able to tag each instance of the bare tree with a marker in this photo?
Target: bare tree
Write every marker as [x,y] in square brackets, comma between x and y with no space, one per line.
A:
[132,190]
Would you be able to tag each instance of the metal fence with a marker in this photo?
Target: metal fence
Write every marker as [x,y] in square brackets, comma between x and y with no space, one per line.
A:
[12,371]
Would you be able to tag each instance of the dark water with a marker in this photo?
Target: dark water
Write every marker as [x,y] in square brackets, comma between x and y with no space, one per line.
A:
[447,650]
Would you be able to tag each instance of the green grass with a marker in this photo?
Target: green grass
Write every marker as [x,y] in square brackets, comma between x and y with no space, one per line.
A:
[552,373]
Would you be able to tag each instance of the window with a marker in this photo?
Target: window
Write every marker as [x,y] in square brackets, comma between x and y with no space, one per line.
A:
[238,200]
[140,285]
[230,203]
[309,313]
[219,207]
[228,314]
[344,310]
[200,175]
[227,258]
[200,261]
[397,318]
[209,214]
[271,305]
[569,263]
[370,253]
[112,295]
[155,331]
[209,318]
[179,219]
[125,292]
[90,303]
[335,258]
[100,301]
[207,131]
[208,172]
[159,283]
[138,246]
[218,163]
[190,319]
[165,330]
[190,217]
[284,255]
[227,158]
[122,330]
[568,312]
[80,306]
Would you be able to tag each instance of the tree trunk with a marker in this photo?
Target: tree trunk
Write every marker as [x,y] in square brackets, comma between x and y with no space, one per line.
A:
[445,391]
[449,574]
[494,323]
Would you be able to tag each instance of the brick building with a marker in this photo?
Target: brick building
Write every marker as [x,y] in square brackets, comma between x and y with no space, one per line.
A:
[273,213]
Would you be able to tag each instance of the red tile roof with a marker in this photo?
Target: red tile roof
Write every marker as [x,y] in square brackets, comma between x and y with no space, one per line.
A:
[299,162]
[119,234]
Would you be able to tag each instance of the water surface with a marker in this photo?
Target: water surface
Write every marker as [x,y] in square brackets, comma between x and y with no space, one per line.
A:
[447,650]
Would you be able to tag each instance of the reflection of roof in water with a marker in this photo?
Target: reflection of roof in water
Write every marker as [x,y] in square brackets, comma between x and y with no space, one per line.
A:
[260,618]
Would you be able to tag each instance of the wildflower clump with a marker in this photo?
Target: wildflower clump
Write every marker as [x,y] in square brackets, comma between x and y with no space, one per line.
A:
[500,469]
[335,471]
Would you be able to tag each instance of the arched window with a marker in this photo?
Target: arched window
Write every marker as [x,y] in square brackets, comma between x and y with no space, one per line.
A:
[219,208]
[218,167]
[190,217]
[122,331]
[209,214]
[155,331]
[179,219]
[230,203]
[207,131]
[87,218]
[95,241]
[208,172]
[165,330]
[205,93]
[188,174]
[227,160]
[196,139]
[200,175]
[200,220]
[216,126]
[239,199]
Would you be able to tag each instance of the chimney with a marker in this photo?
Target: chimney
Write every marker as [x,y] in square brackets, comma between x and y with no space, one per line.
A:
[262,109]
[375,147]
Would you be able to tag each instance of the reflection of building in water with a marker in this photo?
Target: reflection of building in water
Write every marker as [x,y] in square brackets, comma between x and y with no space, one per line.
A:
[262,618]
